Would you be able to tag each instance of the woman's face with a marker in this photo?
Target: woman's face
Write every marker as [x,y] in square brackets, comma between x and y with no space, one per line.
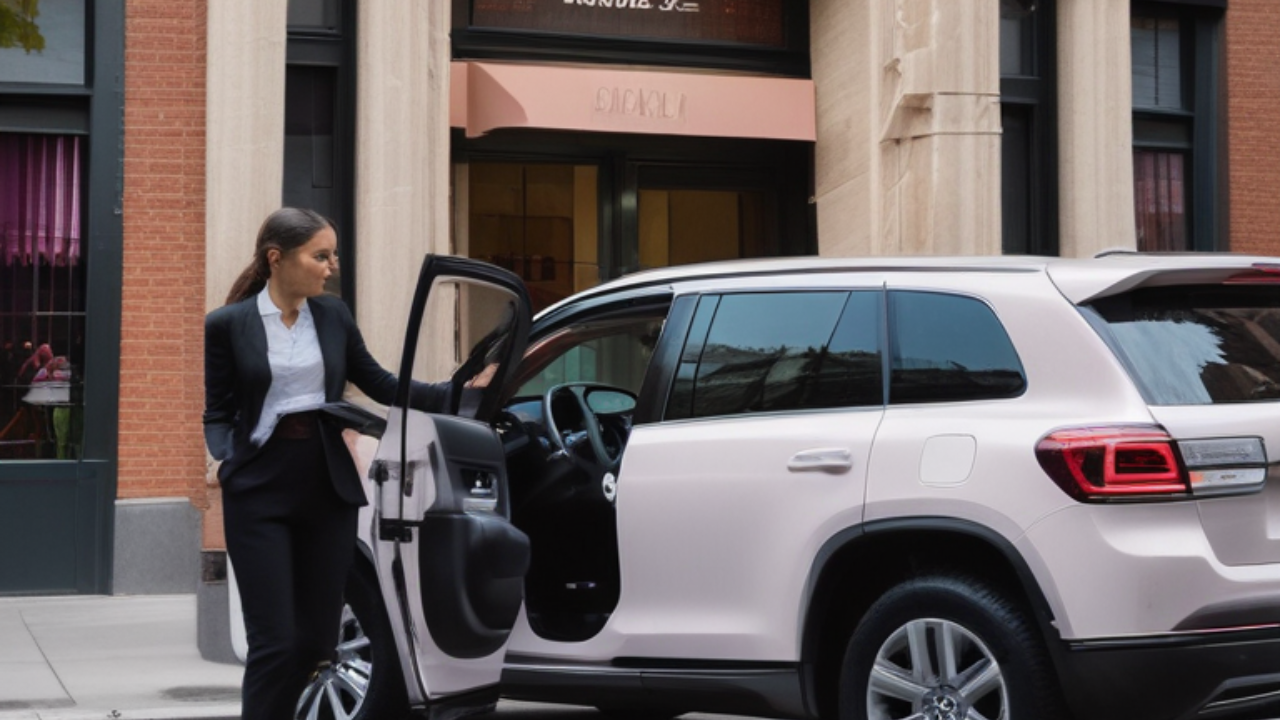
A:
[303,272]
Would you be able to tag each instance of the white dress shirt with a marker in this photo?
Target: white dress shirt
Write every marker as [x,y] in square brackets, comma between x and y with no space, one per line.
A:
[297,367]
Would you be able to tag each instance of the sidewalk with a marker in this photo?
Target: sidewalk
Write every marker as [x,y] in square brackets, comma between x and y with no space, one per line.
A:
[109,658]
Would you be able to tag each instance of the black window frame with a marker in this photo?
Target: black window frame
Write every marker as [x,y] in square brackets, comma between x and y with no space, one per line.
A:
[337,49]
[96,111]
[91,61]
[1202,25]
[1034,97]
[481,43]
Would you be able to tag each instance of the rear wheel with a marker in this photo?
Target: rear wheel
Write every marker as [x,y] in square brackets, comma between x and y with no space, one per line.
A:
[365,680]
[947,648]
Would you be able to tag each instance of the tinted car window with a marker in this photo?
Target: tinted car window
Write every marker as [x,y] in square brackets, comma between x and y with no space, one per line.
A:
[1198,345]
[681,403]
[764,352]
[947,348]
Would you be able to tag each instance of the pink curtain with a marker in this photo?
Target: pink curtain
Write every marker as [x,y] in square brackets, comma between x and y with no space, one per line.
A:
[1160,196]
[39,199]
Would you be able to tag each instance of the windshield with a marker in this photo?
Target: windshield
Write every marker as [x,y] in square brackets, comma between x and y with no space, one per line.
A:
[614,353]
[1198,344]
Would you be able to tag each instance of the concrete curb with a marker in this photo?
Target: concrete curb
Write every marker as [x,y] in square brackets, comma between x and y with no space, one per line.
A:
[224,711]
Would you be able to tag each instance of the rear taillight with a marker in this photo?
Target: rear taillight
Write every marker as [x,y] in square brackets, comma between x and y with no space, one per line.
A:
[1258,274]
[1109,463]
[1098,464]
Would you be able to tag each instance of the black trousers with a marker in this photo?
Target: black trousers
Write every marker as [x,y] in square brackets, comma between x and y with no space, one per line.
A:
[291,540]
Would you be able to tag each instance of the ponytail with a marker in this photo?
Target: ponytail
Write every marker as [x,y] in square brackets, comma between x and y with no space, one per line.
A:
[250,282]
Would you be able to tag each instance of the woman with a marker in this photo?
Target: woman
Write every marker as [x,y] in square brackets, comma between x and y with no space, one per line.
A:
[275,353]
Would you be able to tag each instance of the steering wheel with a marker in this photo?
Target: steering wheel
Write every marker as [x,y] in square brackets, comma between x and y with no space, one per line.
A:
[601,460]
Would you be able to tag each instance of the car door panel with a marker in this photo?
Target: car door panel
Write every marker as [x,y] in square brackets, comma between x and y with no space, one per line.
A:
[724,576]
[452,581]
[717,516]
[449,562]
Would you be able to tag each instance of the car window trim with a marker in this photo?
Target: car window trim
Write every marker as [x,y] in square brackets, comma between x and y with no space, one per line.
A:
[655,389]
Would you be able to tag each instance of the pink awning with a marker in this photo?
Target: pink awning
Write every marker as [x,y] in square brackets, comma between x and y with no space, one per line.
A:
[488,96]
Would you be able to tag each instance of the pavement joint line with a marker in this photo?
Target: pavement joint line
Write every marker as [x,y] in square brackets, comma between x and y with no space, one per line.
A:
[66,693]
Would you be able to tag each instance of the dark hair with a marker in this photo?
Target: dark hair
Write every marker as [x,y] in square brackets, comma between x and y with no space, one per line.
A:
[286,230]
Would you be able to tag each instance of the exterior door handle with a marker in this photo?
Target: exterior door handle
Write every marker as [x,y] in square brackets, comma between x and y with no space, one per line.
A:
[832,460]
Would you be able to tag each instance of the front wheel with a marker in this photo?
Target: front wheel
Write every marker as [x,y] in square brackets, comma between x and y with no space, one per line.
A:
[947,648]
[365,681]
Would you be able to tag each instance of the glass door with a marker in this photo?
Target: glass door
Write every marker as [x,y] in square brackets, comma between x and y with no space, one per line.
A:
[538,220]
[566,212]
[688,214]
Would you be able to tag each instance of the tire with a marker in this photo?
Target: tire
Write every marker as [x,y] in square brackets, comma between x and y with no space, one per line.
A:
[997,662]
[365,680]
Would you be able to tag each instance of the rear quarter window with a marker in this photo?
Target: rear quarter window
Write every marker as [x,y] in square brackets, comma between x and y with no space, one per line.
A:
[949,348]
[1196,344]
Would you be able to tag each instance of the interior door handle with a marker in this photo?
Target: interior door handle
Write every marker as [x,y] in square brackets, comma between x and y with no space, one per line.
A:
[832,460]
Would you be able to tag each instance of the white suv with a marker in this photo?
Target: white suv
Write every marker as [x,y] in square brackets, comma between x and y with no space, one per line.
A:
[934,488]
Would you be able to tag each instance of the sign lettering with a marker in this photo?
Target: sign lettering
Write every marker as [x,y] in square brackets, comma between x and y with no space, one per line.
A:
[743,22]
[639,102]
[663,5]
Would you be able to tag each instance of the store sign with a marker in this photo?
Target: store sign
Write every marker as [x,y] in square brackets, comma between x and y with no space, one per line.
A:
[747,22]
[640,103]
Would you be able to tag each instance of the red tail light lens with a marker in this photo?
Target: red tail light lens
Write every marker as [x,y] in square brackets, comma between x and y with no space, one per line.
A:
[1260,273]
[1110,463]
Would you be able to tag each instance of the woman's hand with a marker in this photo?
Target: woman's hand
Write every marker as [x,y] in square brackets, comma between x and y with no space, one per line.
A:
[483,378]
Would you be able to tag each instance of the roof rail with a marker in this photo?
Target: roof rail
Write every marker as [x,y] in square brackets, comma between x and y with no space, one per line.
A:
[1117,251]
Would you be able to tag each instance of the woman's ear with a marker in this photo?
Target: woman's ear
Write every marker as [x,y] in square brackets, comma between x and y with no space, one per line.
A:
[273,257]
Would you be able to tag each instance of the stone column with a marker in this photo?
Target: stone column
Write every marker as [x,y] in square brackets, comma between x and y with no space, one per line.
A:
[402,164]
[245,153]
[1095,127]
[908,153]
[244,174]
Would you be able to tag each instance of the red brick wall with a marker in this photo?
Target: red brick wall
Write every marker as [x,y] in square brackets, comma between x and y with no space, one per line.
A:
[1253,117]
[161,350]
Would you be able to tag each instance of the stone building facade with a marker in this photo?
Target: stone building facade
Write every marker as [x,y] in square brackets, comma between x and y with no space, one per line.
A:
[906,146]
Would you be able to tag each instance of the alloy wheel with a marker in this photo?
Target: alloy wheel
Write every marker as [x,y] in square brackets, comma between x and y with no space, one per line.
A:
[337,691]
[931,669]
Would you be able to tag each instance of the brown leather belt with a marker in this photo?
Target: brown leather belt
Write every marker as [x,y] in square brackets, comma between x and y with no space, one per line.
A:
[298,426]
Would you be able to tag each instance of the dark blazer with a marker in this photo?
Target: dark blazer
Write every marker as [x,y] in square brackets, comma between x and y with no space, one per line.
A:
[237,377]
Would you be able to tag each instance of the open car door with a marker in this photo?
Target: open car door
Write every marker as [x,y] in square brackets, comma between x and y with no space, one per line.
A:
[450,564]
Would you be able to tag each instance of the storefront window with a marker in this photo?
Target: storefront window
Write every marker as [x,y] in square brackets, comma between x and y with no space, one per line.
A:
[42,41]
[41,297]
[538,221]
[1175,126]
[679,227]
